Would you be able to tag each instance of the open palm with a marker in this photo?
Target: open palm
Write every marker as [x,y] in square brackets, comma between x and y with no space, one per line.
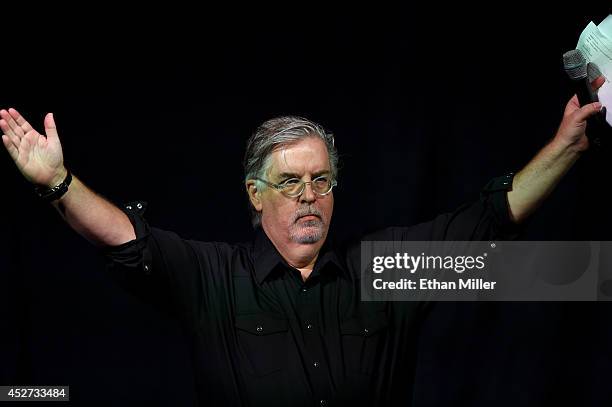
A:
[39,158]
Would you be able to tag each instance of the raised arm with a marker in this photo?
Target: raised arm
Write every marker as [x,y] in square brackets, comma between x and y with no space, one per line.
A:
[537,179]
[40,160]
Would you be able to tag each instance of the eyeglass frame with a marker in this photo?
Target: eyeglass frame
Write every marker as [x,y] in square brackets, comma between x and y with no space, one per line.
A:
[279,187]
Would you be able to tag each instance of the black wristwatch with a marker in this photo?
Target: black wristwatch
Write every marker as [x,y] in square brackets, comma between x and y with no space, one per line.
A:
[52,194]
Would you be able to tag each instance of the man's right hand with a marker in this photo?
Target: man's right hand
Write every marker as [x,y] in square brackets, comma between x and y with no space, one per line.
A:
[40,160]
[38,157]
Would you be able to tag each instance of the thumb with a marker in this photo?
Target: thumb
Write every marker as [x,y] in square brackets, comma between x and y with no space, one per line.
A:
[572,105]
[50,129]
[586,111]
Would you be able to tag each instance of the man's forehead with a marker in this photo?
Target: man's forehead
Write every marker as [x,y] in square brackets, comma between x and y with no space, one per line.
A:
[308,155]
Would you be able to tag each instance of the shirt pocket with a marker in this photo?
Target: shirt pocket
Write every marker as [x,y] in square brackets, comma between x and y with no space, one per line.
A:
[263,342]
[363,341]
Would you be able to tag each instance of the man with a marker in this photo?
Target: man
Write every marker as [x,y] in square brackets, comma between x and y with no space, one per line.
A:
[279,321]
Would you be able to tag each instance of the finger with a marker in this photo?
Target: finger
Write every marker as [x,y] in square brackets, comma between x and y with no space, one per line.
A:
[6,128]
[596,78]
[598,82]
[586,111]
[593,71]
[25,147]
[23,123]
[572,105]
[10,147]
[14,126]
[50,129]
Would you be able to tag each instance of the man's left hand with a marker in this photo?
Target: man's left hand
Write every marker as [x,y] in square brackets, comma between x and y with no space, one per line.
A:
[571,132]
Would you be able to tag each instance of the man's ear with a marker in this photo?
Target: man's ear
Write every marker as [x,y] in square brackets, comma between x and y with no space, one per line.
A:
[254,194]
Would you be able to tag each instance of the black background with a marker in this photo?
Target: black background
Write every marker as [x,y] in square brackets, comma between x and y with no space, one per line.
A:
[425,108]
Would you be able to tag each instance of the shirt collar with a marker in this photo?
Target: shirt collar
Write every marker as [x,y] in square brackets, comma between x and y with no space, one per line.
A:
[266,258]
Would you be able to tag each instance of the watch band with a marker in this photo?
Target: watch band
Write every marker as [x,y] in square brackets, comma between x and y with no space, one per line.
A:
[52,194]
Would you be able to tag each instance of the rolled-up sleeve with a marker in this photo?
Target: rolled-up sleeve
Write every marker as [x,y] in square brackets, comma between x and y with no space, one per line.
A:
[494,195]
[158,266]
[134,254]
[485,218]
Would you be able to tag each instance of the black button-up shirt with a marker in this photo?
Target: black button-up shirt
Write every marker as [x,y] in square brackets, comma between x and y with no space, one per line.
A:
[265,337]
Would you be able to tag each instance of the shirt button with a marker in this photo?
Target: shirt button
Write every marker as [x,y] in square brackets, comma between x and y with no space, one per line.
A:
[323,403]
[366,331]
[316,364]
[139,206]
[304,289]
[259,328]
[129,207]
[309,326]
[146,268]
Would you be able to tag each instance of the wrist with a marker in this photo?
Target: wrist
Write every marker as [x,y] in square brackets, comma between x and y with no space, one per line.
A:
[57,178]
[56,191]
[561,148]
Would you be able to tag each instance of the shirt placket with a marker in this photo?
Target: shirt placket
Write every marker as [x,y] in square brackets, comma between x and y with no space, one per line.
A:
[309,306]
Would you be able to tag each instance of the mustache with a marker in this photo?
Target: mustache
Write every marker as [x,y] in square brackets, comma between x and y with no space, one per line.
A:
[305,211]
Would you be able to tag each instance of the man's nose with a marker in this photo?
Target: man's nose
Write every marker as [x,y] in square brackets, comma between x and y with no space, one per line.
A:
[308,195]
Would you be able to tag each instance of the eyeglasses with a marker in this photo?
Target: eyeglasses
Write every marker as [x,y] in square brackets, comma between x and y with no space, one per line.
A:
[294,187]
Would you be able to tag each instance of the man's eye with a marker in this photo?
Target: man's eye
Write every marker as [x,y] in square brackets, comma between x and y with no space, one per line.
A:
[292,181]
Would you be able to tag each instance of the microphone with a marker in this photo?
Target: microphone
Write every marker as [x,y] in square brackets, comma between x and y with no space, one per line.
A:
[576,68]
[579,72]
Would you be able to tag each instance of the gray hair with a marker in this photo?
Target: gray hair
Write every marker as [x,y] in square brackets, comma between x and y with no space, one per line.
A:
[276,133]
